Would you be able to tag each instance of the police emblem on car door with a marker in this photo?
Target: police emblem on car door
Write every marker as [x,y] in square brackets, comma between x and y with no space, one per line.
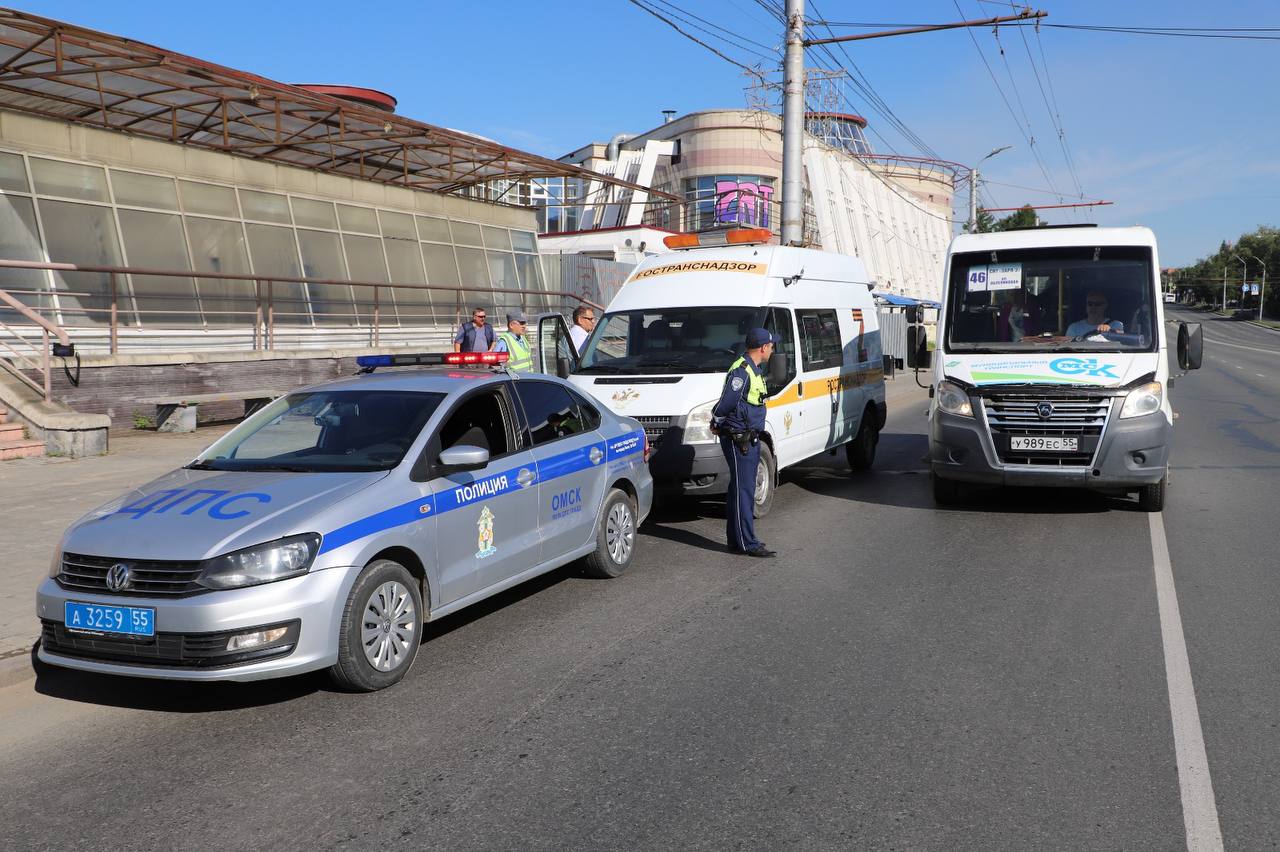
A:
[487,518]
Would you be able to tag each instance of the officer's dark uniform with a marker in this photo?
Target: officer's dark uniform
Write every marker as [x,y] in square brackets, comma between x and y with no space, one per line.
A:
[739,417]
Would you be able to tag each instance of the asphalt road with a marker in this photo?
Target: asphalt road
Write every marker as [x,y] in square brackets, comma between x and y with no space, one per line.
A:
[991,676]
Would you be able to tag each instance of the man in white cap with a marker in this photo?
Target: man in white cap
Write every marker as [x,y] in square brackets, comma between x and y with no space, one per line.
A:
[513,342]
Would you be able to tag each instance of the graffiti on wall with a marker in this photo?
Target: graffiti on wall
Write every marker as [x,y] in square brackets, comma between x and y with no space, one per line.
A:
[743,202]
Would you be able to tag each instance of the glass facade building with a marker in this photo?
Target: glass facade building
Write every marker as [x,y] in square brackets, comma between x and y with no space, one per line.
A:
[63,210]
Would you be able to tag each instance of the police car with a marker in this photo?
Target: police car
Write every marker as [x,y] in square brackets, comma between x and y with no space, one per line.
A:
[323,531]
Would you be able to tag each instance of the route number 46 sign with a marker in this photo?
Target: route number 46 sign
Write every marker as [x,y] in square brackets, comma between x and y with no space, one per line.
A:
[995,276]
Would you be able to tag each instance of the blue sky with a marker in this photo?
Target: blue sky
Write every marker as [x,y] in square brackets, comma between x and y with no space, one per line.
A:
[1179,133]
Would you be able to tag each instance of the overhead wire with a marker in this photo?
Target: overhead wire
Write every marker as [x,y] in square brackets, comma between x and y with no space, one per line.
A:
[657,14]
[731,37]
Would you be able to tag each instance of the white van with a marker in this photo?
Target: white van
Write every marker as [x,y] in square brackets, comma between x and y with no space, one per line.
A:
[661,350]
[1051,363]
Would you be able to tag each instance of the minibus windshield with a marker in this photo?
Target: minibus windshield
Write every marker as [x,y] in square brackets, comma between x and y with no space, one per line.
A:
[669,340]
[327,431]
[1073,299]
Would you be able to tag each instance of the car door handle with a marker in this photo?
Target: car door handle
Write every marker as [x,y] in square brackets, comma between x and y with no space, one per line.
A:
[525,477]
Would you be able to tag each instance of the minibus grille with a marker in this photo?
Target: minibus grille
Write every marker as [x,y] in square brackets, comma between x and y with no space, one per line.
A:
[1019,414]
[147,578]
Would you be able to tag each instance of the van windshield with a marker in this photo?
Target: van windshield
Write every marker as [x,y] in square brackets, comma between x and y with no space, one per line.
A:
[669,340]
[1074,299]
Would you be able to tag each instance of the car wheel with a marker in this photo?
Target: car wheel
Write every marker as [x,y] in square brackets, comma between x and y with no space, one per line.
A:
[861,451]
[380,630]
[946,492]
[1151,497]
[615,537]
[766,478]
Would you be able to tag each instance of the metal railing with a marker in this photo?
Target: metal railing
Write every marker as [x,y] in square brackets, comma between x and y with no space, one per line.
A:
[17,358]
[279,307]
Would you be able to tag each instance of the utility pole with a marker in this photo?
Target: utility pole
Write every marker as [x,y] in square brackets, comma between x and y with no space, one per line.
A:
[1262,294]
[793,104]
[973,188]
[793,128]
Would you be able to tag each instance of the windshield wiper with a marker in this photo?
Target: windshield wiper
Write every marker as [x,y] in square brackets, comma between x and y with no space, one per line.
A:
[201,464]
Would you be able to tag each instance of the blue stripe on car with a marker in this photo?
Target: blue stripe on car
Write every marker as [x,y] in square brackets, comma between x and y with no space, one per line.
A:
[493,485]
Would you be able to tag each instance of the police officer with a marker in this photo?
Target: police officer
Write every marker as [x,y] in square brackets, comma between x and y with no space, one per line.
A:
[738,418]
[514,342]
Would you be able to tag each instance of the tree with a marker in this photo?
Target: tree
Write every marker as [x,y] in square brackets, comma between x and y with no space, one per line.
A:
[1025,217]
[1206,276]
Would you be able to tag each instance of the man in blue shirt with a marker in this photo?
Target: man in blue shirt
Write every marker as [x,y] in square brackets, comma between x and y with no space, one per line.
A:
[1095,320]
[738,418]
[475,336]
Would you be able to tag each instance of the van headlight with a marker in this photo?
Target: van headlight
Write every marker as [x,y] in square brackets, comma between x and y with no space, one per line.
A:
[697,424]
[1146,399]
[262,563]
[952,399]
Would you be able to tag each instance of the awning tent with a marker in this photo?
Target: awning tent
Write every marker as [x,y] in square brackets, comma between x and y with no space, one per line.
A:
[61,71]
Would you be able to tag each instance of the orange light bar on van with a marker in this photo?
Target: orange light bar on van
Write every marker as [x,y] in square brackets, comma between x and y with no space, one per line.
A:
[741,236]
[681,241]
[735,237]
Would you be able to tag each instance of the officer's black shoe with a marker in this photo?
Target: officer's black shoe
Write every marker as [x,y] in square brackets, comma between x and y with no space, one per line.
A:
[762,552]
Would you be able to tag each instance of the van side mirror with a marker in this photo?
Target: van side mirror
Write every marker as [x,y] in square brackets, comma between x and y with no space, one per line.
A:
[463,457]
[563,367]
[918,355]
[913,314]
[1190,345]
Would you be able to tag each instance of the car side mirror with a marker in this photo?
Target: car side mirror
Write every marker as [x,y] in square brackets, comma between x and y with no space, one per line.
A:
[1190,345]
[918,355]
[463,457]
[779,369]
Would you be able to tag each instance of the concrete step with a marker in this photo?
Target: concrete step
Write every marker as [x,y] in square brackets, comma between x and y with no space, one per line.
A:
[4,414]
[23,449]
[11,432]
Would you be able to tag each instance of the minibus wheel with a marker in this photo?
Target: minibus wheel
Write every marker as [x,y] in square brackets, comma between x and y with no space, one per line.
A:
[766,479]
[381,628]
[1151,497]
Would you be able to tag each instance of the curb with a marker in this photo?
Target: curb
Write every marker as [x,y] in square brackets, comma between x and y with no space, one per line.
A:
[18,668]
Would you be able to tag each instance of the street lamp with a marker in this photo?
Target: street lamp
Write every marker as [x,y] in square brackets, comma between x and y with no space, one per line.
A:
[973,187]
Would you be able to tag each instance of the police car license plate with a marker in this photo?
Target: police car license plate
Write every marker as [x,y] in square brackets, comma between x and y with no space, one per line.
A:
[1049,445]
[113,620]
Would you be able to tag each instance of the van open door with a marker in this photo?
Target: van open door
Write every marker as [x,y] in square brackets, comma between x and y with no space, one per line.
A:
[554,352]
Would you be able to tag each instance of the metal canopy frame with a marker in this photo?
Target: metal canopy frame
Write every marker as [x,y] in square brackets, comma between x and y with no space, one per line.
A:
[69,73]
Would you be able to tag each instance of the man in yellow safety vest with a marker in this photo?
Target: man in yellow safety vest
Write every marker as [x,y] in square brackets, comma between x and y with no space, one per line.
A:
[515,344]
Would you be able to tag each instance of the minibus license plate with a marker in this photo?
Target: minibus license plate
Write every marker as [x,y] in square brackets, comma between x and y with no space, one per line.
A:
[1045,445]
[114,620]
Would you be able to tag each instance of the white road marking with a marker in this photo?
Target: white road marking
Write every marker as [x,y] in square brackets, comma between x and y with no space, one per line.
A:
[1199,809]
[1217,342]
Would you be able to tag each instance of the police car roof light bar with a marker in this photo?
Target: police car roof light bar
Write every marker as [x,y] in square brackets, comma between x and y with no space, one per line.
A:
[369,363]
[732,237]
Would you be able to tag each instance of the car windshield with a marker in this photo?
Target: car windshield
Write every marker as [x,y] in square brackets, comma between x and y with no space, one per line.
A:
[321,431]
[1082,299]
[669,340]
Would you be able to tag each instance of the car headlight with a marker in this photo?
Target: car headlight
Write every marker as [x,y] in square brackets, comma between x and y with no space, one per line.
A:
[1146,399]
[697,424]
[952,399]
[262,563]
[55,564]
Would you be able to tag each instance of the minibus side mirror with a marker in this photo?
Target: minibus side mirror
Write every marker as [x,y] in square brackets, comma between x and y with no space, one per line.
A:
[779,369]
[918,354]
[913,314]
[463,457]
[1190,345]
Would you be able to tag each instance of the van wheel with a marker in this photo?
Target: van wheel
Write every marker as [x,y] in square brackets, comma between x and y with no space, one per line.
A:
[861,451]
[381,628]
[615,537]
[1151,497]
[946,492]
[766,479]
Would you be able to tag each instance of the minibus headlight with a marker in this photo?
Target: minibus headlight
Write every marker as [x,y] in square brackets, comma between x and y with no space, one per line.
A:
[1146,399]
[263,563]
[953,400]
[697,425]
